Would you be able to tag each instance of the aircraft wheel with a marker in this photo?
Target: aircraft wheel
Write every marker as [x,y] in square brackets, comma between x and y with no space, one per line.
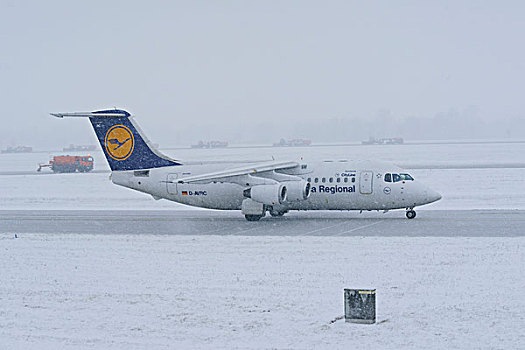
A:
[410,214]
[253,217]
[275,213]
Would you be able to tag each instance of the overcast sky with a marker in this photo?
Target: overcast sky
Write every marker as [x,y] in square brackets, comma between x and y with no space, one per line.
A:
[260,70]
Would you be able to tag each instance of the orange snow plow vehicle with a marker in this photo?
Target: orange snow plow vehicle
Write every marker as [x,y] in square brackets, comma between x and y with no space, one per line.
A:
[69,164]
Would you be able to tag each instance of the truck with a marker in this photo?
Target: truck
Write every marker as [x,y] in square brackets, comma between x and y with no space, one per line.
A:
[18,149]
[69,164]
[79,148]
[210,144]
[384,141]
[293,143]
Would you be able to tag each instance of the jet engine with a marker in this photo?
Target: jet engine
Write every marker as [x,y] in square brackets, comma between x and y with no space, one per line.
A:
[298,190]
[267,194]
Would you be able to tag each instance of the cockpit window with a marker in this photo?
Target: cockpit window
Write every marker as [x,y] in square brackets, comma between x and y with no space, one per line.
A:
[406,177]
[398,177]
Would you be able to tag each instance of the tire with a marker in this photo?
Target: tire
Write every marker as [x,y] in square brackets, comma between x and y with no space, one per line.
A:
[253,217]
[410,214]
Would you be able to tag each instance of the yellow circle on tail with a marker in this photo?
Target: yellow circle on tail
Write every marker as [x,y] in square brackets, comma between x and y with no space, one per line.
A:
[119,142]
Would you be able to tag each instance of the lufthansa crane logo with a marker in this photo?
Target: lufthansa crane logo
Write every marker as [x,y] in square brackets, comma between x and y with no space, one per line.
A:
[119,142]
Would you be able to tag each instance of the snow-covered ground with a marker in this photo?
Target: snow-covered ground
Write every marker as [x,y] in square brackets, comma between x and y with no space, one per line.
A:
[158,291]
[168,291]
[399,154]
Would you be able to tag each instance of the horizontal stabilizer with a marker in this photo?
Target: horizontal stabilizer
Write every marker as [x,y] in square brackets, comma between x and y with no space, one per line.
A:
[106,113]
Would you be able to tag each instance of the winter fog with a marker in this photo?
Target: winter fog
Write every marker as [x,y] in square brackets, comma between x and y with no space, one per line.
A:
[255,72]
[186,228]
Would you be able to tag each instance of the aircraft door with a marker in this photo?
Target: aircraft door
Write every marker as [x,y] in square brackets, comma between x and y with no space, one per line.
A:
[365,182]
[171,184]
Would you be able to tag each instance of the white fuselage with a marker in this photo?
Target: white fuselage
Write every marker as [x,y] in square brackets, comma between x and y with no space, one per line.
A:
[335,185]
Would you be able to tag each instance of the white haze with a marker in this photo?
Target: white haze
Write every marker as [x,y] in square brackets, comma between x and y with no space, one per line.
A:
[258,71]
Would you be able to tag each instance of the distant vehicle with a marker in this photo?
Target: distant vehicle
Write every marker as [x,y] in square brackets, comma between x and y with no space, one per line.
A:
[79,148]
[18,149]
[293,143]
[210,144]
[69,164]
[255,187]
[384,141]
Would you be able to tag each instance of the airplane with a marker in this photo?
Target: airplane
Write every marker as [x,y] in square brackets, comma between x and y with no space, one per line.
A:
[253,188]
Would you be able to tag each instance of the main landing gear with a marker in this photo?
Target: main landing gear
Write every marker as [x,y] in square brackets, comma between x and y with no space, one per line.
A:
[273,212]
[411,213]
[253,217]
[276,213]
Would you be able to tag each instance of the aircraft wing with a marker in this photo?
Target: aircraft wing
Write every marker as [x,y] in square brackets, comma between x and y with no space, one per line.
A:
[235,174]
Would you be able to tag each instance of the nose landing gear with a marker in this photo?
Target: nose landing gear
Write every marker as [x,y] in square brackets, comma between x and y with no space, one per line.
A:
[411,213]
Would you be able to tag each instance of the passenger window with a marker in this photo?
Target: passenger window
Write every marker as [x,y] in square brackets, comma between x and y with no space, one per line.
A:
[331,179]
[338,179]
[346,179]
[388,178]
[353,179]
[324,179]
[309,179]
[396,177]
[316,180]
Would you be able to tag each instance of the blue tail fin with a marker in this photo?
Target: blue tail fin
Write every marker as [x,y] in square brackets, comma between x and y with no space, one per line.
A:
[123,143]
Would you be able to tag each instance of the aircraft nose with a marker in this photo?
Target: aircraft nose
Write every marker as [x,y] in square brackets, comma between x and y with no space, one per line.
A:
[433,196]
